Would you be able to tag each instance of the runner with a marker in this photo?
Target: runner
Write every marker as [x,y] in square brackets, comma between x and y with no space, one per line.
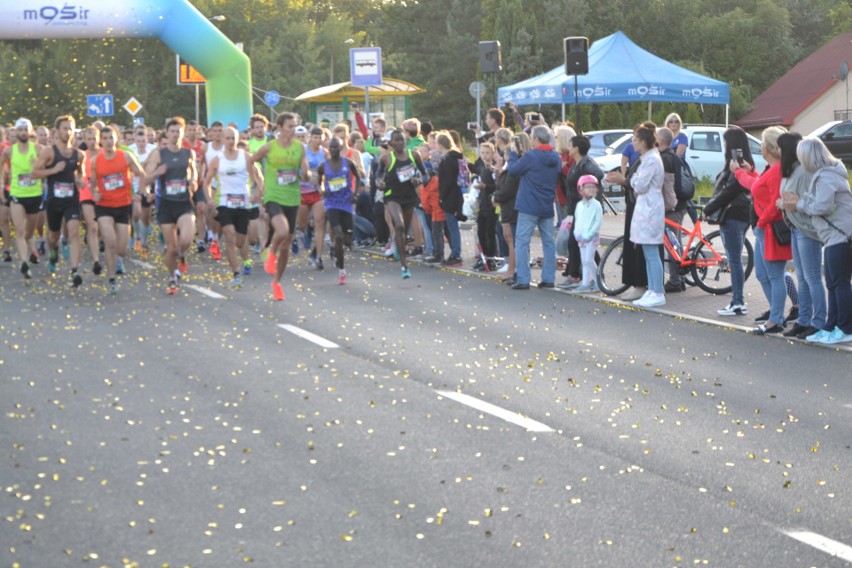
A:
[285,164]
[141,206]
[258,219]
[113,194]
[175,168]
[215,148]
[87,202]
[5,200]
[199,199]
[64,178]
[339,194]
[25,192]
[233,168]
[403,171]
[311,198]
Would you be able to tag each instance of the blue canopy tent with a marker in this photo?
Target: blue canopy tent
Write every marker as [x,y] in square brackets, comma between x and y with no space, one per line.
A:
[619,71]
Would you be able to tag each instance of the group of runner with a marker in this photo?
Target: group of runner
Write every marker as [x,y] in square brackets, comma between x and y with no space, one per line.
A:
[227,186]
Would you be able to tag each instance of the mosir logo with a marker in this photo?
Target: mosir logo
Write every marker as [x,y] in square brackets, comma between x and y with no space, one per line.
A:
[596,91]
[697,93]
[67,15]
[647,90]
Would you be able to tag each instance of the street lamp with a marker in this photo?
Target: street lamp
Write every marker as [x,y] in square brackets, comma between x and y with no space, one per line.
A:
[349,41]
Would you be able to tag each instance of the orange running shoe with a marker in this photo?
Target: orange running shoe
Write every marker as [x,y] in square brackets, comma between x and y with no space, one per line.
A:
[215,251]
[183,266]
[277,291]
[172,288]
[271,262]
[144,252]
[137,245]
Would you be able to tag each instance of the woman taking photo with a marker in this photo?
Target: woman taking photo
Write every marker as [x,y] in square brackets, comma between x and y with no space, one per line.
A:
[504,196]
[770,255]
[733,203]
[828,201]
[807,250]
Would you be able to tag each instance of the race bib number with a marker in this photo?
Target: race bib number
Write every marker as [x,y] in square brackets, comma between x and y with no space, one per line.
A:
[337,184]
[63,190]
[286,177]
[175,187]
[113,182]
[405,173]
[236,201]
[24,180]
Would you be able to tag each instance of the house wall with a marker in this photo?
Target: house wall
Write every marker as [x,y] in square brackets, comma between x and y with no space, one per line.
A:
[822,109]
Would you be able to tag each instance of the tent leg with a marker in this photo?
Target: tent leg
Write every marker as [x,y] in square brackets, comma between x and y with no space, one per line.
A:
[563,112]
[727,111]
[649,110]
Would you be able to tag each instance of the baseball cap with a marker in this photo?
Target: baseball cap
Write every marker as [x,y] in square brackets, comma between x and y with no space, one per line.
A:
[588,178]
[301,130]
[23,122]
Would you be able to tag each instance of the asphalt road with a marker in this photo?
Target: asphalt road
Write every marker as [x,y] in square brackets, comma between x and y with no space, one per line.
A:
[151,430]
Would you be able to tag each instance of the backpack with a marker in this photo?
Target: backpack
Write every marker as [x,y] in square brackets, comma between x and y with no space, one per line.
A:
[684,180]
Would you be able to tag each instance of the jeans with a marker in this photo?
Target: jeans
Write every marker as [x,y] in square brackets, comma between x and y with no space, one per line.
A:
[526,226]
[653,268]
[455,235]
[733,236]
[363,229]
[427,230]
[770,274]
[838,272]
[807,258]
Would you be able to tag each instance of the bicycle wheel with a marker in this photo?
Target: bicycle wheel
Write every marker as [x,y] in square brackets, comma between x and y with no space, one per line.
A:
[610,269]
[716,279]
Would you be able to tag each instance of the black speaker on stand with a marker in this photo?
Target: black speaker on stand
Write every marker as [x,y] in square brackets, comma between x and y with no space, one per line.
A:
[490,61]
[576,63]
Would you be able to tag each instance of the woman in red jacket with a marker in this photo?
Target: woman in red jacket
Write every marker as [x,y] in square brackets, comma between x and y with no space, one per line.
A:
[770,256]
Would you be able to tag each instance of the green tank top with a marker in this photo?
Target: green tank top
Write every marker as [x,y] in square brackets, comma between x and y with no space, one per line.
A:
[282,173]
[254,144]
[22,164]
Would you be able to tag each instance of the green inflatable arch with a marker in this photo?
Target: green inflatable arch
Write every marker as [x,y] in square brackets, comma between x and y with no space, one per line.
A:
[176,22]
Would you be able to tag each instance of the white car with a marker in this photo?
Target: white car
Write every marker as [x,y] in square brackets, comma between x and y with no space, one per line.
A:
[601,139]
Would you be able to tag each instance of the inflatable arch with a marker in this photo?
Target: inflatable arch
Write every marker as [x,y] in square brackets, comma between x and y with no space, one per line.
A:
[176,22]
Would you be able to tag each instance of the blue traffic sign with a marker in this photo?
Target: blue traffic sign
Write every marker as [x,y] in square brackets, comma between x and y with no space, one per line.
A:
[99,105]
[272,98]
[138,121]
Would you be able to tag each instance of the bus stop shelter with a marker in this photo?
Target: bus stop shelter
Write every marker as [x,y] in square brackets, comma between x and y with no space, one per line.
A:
[390,100]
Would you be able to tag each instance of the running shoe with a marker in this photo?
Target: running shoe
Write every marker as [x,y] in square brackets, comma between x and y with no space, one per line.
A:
[172,288]
[818,337]
[52,260]
[236,282]
[25,270]
[42,246]
[319,265]
[215,251]
[34,258]
[277,292]
[97,268]
[119,266]
[66,250]
[247,266]
[200,247]
[137,245]
[113,287]
[183,266]
[389,251]
[837,336]
[271,262]
[143,254]
[312,258]
[7,256]
[76,280]
[341,278]
[406,273]
[294,246]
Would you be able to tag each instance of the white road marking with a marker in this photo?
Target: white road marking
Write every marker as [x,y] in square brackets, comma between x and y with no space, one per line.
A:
[142,263]
[206,292]
[313,338]
[823,543]
[488,408]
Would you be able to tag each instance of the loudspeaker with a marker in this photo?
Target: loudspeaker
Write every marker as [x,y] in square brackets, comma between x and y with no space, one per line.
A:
[576,55]
[489,57]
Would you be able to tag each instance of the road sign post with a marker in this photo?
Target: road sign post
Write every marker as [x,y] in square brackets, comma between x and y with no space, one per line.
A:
[100,105]
[365,70]
[477,91]
[132,106]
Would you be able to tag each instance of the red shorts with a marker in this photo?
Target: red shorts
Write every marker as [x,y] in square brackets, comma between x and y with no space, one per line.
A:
[308,199]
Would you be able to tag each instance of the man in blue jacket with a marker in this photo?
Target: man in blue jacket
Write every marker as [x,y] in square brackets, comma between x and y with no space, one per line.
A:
[538,170]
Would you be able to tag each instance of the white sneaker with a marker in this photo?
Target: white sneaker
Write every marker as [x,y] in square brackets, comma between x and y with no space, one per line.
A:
[733,310]
[641,301]
[388,252]
[837,336]
[654,300]
[503,269]
[818,337]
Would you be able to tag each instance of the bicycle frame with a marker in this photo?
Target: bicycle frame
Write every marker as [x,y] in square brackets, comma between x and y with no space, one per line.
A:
[695,236]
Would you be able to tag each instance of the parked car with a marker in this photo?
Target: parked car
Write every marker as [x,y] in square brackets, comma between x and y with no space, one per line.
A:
[600,139]
[837,137]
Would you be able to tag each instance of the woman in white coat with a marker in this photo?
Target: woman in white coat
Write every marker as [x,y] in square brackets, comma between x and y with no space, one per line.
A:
[646,228]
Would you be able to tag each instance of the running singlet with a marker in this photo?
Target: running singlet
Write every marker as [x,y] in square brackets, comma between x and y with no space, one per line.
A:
[399,186]
[338,187]
[314,161]
[233,189]
[254,144]
[21,165]
[114,182]
[142,156]
[283,169]
[173,184]
[199,157]
[212,153]
[63,186]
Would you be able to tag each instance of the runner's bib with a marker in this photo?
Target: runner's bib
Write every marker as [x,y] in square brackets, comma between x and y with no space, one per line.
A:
[113,182]
[337,184]
[405,173]
[63,190]
[236,201]
[286,177]
[24,180]
[175,187]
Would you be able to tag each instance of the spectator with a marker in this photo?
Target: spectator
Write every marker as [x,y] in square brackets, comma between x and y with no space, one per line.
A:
[539,171]
[495,119]
[731,198]
[413,139]
[828,201]
[431,204]
[671,167]
[502,139]
[807,249]
[486,220]
[450,194]
[563,135]
[770,256]
[679,140]
[587,225]
[506,194]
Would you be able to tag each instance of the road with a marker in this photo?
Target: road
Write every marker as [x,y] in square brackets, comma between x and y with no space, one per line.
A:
[444,420]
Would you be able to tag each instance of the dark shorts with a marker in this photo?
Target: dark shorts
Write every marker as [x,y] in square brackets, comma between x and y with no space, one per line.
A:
[405,201]
[289,212]
[169,212]
[254,213]
[200,196]
[59,210]
[338,218]
[120,215]
[88,202]
[239,218]
[32,205]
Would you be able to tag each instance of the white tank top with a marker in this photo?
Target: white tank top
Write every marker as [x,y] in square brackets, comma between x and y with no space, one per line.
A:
[210,153]
[233,190]
[142,156]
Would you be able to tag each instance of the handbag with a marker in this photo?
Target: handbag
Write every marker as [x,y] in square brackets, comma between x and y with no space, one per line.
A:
[717,217]
[782,232]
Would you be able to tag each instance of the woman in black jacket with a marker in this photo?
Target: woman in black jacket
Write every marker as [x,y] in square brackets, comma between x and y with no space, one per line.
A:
[450,194]
[504,197]
[734,201]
